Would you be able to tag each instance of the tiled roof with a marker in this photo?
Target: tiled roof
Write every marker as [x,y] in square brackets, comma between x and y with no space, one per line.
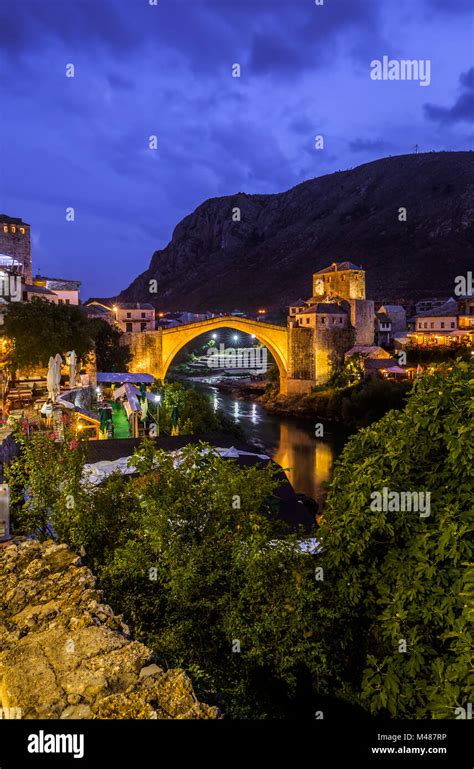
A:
[97,309]
[323,308]
[63,284]
[136,306]
[11,219]
[448,308]
[32,289]
[339,267]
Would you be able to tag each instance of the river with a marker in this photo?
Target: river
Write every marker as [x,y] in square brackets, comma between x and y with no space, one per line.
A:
[307,460]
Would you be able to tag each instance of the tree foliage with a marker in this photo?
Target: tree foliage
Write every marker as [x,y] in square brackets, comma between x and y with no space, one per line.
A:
[397,576]
[111,354]
[192,554]
[41,329]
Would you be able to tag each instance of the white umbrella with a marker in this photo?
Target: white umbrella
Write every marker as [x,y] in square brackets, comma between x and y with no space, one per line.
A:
[50,377]
[72,368]
[57,375]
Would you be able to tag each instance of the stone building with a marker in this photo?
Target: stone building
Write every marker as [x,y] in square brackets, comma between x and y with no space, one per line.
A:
[65,289]
[15,242]
[137,316]
[338,313]
[448,324]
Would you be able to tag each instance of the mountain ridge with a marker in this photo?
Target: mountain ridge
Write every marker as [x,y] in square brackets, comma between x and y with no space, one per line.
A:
[268,257]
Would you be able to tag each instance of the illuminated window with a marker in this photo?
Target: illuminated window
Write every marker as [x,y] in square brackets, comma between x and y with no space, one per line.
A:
[13,228]
[5,228]
[22,230]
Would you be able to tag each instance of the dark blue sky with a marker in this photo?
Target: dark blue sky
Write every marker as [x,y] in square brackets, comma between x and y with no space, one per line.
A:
[166,70]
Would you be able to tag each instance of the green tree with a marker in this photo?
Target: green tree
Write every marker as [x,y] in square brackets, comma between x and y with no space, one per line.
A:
[111,354]
[399,579]
[193,555]
[41,329]
[44,481]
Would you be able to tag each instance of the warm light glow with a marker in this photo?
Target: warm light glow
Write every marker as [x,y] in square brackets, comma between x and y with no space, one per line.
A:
[262,312]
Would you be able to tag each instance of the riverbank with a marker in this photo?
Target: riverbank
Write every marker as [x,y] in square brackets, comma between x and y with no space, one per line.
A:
[350,407]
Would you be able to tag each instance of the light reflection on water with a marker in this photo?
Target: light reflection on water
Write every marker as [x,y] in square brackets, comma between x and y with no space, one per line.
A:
[307,460]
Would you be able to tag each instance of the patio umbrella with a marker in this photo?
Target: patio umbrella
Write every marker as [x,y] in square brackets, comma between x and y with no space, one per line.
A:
[57,375]
[72,368]
[174,421]
[103,425]
[143,402]
[50,378]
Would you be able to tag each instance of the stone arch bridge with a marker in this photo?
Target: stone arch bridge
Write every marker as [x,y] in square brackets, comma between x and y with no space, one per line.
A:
[293,348]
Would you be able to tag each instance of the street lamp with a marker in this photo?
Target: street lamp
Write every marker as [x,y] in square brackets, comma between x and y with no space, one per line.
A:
[235,337]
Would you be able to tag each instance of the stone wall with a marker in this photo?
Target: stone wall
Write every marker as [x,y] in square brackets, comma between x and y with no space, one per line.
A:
[63,652]
[363,320]
[331,344]
[146,348]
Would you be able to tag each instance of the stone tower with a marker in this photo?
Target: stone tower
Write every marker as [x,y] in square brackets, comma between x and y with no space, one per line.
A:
[341,280]
[345,282]
[15,242]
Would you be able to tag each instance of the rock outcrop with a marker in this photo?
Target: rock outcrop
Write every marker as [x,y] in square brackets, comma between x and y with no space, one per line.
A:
[268,257]
[65,655]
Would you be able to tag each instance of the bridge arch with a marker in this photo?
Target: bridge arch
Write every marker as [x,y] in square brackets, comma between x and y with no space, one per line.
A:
[275,339]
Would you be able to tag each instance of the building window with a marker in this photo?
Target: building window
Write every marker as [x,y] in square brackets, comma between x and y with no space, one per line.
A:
[128,326]
[340,320]
[22,230]
[442,324]
[68,301]
[129,314]
[5,228]
[13,228]
[307,320]
[452,324]
[323,320]
[432,324]
[143,326]
[60,301]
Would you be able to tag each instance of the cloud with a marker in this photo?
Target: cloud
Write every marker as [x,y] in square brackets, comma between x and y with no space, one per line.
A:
[450,6]
[463,107]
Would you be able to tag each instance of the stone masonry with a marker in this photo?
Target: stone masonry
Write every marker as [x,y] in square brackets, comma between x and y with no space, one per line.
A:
[65,655]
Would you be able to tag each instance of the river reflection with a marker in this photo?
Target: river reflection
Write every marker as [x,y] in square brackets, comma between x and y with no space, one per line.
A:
[307,460]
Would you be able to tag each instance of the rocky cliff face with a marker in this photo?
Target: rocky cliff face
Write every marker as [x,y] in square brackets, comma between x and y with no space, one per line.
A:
[64,654]
[213,262]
